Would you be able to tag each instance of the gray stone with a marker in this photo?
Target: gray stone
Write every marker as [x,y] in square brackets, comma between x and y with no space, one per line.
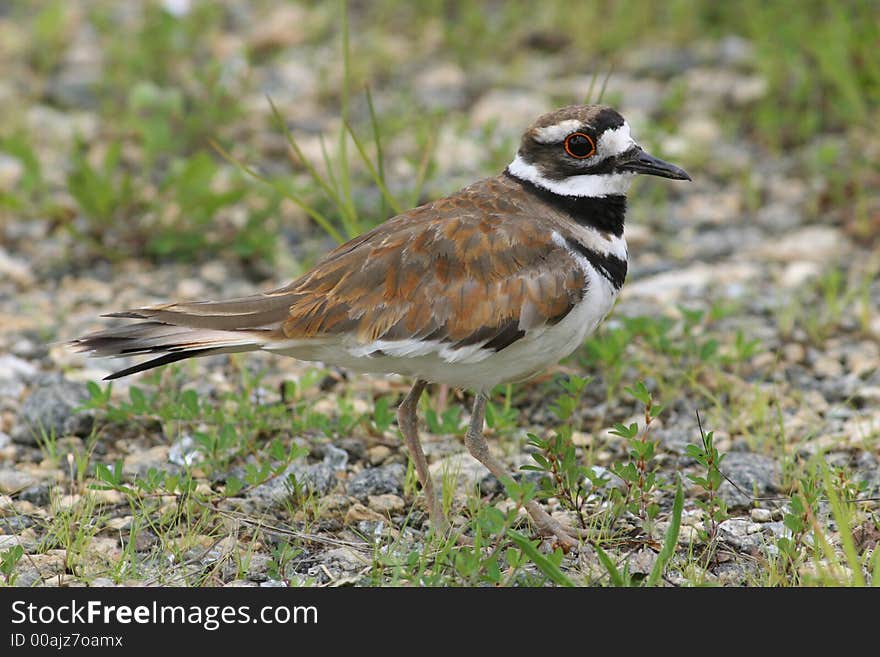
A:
[761,515]
[37,494]
[377,481]
[13,368]
[14,268]
[345,558]
[50,410]
[754,474]
[13,481]
[464,468]
[335,458]
[642,562]
[737,573]
[737,532]
[319,478]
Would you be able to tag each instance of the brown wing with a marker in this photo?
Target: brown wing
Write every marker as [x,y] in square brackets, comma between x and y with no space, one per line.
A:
[469,269]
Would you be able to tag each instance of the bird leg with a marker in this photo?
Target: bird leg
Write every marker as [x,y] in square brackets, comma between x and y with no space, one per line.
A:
[407,420]
[479,449]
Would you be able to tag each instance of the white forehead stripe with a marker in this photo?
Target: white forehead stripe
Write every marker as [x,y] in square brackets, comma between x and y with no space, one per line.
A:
[595,185]
[614,142]
[556,132]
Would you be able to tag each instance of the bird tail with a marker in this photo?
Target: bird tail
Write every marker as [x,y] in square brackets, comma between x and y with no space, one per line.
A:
[179,331]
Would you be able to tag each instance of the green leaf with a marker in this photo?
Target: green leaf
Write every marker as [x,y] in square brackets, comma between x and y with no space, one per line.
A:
[541,460]
[544,564]
[616,578]
[639,392]
[624,431]
[189,399]
[671,539]
[233,486]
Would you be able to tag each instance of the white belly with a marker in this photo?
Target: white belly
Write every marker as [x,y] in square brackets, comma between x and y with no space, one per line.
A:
[470,367]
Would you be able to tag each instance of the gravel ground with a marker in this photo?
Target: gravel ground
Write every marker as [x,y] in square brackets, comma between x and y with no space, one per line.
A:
[753,231]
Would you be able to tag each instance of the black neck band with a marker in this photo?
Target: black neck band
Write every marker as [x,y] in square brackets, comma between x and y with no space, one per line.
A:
[604,213]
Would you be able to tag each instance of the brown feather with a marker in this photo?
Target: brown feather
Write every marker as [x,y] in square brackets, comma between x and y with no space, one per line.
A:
[443,270]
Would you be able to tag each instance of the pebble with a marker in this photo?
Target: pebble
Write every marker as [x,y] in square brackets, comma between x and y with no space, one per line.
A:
[813,243]
[462,468]
[13,368]
[36,567]
[862,358]
[755,474]
[319,478]
[357,512]
[14,480]
[642,561]
[50,410]
[346,558]
[828,367]
[672,286]
[793,352]
[335,458]
[797,273]
[377,454]
[387,504]
[376,481]
[139,462]
[104,549]
[761,515]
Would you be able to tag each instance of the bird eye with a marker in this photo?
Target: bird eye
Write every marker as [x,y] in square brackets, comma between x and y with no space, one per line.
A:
[579,145]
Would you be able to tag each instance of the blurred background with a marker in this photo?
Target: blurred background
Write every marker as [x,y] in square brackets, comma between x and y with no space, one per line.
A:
[183,149]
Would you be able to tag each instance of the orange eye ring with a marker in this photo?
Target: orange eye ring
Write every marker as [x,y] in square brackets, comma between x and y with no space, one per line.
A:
[580,145]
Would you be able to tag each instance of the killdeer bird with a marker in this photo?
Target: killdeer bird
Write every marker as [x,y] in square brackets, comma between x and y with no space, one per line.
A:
[489,285]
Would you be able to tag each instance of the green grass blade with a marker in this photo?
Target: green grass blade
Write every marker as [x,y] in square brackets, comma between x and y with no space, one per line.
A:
[605,84]
[377,178]
[671,539]
[350,213]
[319,219]
[589,97]
[844,530]
[377,141]
[608,565]
[546,566]
[422,171]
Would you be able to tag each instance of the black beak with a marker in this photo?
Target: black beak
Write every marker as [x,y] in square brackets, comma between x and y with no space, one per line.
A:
[642,162]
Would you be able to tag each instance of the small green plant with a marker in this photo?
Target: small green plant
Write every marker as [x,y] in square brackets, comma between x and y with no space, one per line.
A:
[283,552]
[556,457]
[798,520]
[383,414]
[715,508]
[637,474]
[664,557]
[8,561]
[447,422]
[504,416]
